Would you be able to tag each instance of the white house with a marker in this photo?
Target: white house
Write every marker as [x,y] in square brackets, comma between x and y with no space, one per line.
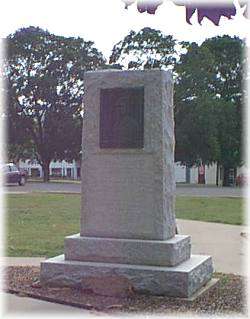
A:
[56,169]
[72,170]
[187,175]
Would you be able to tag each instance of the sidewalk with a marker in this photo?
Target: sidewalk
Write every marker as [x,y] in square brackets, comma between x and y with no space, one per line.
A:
[223,242]
[14,305]
[21,261]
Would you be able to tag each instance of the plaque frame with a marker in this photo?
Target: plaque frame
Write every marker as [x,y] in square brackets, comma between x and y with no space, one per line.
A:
[121,124]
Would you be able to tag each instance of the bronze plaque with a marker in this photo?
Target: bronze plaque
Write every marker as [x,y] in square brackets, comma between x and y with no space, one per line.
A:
[121,118]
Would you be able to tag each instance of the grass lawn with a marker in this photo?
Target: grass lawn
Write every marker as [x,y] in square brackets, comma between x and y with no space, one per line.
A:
[37,223]
[211,209]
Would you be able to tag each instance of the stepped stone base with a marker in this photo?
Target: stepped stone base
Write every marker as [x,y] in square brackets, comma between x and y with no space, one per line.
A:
[169,252]
[178,281]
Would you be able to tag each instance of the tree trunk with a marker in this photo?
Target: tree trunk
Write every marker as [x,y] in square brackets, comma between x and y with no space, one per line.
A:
[217,174]
[201,174]
[45,167]
[235,175]
[226,176]
[201,179]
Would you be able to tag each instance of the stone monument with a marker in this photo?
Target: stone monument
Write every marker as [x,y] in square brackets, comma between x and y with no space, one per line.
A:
[128,188]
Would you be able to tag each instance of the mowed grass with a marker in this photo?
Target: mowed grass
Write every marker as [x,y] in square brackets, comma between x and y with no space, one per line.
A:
[211,209]
[37,223]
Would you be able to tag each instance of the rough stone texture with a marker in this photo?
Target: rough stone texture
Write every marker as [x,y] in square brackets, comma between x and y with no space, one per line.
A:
[128,251]
[180,281]
[129,193]
[127,232]
[108,285]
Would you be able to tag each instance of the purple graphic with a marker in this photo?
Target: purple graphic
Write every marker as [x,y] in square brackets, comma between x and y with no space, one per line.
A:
[212,12]
[148,6]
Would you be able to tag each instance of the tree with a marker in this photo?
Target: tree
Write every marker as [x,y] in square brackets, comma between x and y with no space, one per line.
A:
[196,138]
[208,92]
[196,122]
[45,75]
[228,85]
[197,131]
[145,49]
[212,75]
[18,143]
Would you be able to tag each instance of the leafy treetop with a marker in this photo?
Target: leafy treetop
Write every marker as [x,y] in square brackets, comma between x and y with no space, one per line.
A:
[45,75]
[146,49]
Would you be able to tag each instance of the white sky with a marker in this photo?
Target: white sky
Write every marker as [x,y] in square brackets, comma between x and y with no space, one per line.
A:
[106,22]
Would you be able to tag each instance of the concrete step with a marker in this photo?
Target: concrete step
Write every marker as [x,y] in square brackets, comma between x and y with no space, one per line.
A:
[179,281]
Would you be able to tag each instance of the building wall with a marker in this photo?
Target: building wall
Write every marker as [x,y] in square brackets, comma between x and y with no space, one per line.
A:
[57,168]
[242,170]
[210,174]
[193,175]
[180,171]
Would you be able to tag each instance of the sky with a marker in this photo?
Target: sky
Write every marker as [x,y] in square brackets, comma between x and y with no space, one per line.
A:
[106,22]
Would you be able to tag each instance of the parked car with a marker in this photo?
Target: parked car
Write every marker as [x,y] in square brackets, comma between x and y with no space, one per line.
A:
[14,175]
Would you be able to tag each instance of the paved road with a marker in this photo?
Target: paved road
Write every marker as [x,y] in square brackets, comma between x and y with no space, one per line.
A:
[182,190]
[44,187]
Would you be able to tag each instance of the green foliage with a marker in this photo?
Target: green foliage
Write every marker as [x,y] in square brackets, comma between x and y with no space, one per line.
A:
[228,68]
[208,102]
[197,130]
[195,107]
[227,83]
[145,49]
[208,91]
[45,83]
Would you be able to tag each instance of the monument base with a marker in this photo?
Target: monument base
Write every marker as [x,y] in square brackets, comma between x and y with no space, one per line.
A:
[181,281]
[170,252]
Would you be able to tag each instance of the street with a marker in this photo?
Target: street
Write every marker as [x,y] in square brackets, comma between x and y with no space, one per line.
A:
[75,187]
